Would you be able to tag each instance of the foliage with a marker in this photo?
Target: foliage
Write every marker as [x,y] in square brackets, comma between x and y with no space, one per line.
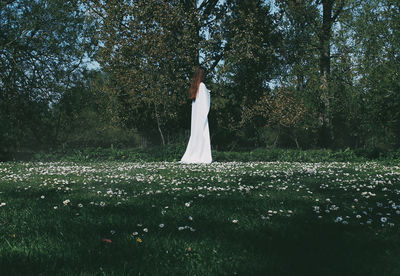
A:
[42,49]
[174,152]
[377,38]
[249,64]
[283,74]
[149,50]
[281,109]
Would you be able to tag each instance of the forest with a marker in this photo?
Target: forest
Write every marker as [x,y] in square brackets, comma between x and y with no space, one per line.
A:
[301,74]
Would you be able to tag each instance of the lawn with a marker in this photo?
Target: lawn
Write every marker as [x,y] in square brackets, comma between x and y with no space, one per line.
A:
[165,218]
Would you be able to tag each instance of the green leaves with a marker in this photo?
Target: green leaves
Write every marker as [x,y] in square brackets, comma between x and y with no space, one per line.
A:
[149,50]
[43,45]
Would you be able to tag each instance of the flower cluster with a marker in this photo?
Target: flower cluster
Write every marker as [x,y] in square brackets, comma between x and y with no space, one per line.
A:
[344,193]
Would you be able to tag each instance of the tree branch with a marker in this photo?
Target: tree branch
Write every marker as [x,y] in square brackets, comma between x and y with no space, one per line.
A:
[209,5]
[218,58]
[203,4]
[4,3]
[338,11]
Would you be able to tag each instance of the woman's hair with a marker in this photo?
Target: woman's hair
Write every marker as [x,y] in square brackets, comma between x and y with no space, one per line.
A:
[198,77]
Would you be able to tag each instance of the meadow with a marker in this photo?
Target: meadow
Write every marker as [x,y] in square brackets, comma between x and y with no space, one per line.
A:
[227,218]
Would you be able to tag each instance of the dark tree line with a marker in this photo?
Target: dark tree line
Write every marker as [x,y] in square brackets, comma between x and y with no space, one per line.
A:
[284,73]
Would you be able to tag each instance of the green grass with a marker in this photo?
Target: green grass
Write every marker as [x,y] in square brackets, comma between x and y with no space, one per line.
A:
[164,218]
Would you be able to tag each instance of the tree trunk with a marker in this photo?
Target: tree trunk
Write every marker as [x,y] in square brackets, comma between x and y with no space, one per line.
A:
[325,37]
[277,137]
[325,68]
[296,140]
[57,128]
[200,10]
[159,125]
[198,38]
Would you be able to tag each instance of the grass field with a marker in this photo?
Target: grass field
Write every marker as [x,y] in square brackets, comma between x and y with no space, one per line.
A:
[164,218]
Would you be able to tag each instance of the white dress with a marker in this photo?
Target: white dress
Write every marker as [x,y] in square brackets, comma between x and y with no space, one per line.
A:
[199,149]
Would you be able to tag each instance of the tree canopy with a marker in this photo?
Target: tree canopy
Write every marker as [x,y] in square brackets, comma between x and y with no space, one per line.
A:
[288,73]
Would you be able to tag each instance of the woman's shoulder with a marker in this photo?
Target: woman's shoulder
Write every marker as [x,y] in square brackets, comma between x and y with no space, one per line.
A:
[203,86]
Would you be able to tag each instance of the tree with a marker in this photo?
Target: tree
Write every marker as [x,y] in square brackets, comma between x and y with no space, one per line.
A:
[280,109]
[249,65]
[149,51]
[317,18]
[377,40]
[42,49]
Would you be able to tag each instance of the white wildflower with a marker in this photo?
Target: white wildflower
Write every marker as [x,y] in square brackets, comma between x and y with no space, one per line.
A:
[338,219]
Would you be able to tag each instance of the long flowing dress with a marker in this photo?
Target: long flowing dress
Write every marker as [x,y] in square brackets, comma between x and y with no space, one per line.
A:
[199,149]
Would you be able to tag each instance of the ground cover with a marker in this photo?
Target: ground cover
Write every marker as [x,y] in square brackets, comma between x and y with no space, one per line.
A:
[165,218]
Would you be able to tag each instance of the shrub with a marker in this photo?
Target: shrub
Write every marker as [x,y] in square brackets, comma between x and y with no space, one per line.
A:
[174,152]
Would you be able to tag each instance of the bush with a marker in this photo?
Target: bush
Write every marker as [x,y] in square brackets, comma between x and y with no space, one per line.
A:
[174,153]
[288,155]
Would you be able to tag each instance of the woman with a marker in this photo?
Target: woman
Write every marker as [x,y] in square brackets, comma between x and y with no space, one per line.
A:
[199,149]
